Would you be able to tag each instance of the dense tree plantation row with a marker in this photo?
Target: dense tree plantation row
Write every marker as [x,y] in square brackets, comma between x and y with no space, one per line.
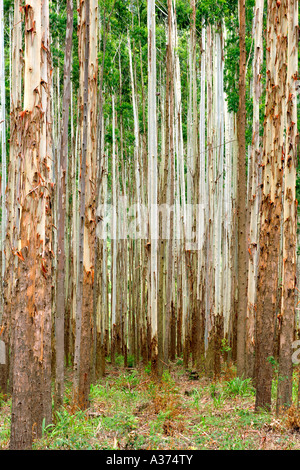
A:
[148,196]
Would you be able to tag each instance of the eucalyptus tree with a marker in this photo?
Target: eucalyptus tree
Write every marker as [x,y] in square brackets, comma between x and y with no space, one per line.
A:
[31,374]
[81,353]
[163,120]
[100,248]
[271,203]
[287,319]
[241,197]
[254,192]
[169,315]
[61,262]
[2,134]
[152,182]
[3,345]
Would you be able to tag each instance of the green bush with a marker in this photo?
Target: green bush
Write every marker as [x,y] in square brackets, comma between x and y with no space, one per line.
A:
[238,387]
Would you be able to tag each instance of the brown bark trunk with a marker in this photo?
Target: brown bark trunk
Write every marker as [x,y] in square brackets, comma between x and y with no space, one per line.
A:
[60,299]
[271,205]
[31,398]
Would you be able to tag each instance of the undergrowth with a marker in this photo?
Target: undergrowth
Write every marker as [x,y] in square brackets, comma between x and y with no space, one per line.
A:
[130,410]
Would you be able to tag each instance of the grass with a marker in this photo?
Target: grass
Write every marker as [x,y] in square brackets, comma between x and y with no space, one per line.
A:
[239,387]
[129,410]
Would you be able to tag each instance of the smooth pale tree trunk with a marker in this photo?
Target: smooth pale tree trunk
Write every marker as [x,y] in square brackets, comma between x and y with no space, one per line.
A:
[152,183]
[103,297]
[194,198]
[13,211]
[114,239]
[3,345]
[201,222]
[255,159]
[228,221]
[99,290]
[287,319]
[180,198]
[218,126]
[234,247]
[208,338]
[228,213]
[123,267]
[139,235]
[171,193]
[2,135]
[162,199]
[214,321]
[74,236]
[241,198]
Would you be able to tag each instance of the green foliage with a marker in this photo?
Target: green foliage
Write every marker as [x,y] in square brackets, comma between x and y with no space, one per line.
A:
[274,363]
[213,11]
[215,392]
[196,395]
[179,361]
[168,379]
[119,360]
[131,360]
[148,368]
[238,387]
[3,400]
[183,14]
[121,422]
[157,415]
[69,431]
[232,53]
[225,346]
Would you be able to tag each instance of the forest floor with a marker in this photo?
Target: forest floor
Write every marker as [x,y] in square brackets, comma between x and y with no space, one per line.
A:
[130,411]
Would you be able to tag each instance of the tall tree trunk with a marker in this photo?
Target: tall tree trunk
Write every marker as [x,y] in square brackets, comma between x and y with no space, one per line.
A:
[254,188]
[13,210]
[271,205]
[32,331]
[114,239]
[152,182]
[171,193]
[241,197]
[285,381]
[3,344]
[82,347]
[99,288]
[2,136]
[61,262]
